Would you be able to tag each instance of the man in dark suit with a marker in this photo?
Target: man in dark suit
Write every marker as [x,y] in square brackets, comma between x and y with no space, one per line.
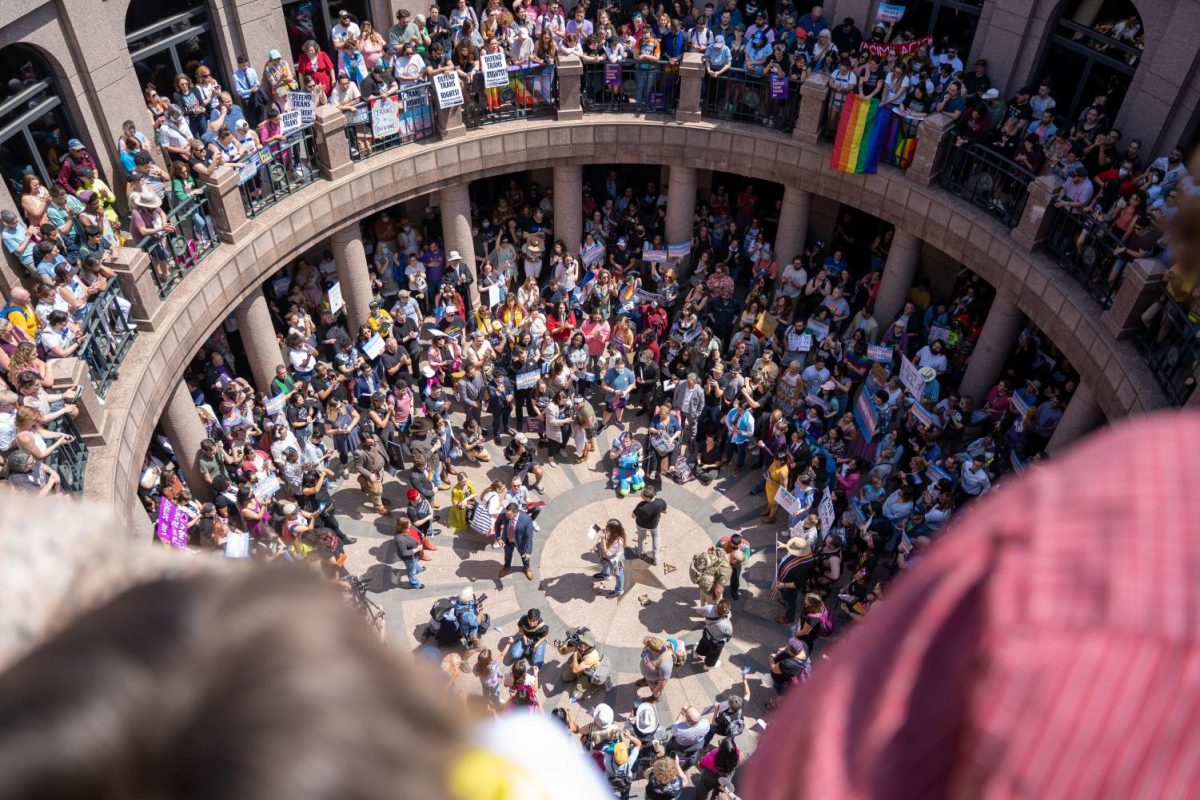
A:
[515,529]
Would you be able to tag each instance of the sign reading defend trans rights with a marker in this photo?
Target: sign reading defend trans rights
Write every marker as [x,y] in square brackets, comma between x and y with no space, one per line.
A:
[449,91]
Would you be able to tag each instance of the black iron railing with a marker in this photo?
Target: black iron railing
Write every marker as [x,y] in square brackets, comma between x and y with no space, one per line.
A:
[1170,344]
[174,252]
[767,100]
[277,170]
[110,334]
[404,117]
[1086,247]
[988,180]
[531,92]
[70,460]
[627,88]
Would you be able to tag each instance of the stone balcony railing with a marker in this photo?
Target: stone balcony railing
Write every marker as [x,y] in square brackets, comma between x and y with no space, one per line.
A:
[176,323]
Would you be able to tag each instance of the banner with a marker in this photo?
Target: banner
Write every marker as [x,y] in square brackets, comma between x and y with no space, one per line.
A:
[527,380]
[678,252]
[910,377]
[902,49]
[590,255]
[866,414]
[373,347]
[889,12]
[385,117]
[495,70]
[275,404]
[248,169]
[290,122]
[612,74]
[779,87]
[826,512]
[171,525]
[859,136]
[655,256]
[449,90]
[336,301]
[302,103]
[880,353]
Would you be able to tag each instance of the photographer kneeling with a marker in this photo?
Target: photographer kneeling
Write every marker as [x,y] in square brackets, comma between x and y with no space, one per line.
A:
[586,667]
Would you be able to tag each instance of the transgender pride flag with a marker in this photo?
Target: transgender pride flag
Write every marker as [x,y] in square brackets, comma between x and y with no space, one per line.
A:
[861,130]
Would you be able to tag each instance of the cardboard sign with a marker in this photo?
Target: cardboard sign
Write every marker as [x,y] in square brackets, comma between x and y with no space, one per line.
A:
[385,117]
[171,525]
[275,404]
[373,347]
[910,377]
[448,89]
[336,301]
[267,487]
[612,74]
[495,70]
[825,511]
[302,103]
[889,12]
[779,87]
[290,122]
[880,353]
[495,295]
[527,380]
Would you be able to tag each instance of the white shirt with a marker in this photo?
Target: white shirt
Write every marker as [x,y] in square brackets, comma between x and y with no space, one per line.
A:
[343,32]
[410,68]
[52,339]
[340,96]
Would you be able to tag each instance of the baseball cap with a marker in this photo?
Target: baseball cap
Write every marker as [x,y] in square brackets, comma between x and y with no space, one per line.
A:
[413,494]
[74,144]
[273,54]
[991,94]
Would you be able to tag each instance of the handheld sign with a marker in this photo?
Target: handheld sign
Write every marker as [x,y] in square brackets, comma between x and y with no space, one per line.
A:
[527,380]
[448,89]
[171,525]
[880,353]
[336,301]
[275,404]
[302,103]
[373,347]
[385,117]
[825,511]
[290,121]
[910,377]
[495,70]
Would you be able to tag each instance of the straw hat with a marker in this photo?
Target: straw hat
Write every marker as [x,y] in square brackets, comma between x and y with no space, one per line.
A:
[928,374]
[798,546]
[147,200]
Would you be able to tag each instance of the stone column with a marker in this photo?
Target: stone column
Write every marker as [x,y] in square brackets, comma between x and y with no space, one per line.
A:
[1034,225]
[681,206]
[568,205]
[933,135]
[259,338]
[691,75]
[450,122]
[333,148]
[353,274]
[136,277]
[1141,285]
[261,27]
[225,204]
[181,423]
[811,117]
[570,88]
[793,225]
[456,221]
[1000,331]
[898,276]
[65,375]
[1081,417]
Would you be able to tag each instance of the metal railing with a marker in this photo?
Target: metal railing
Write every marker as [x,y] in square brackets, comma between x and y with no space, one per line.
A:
[1086,247]
[1170,346]
[531,92]
[626,88]
[767,100]
[276,170]
[70,460]
[110,334]
[988,180]
[414,120]
[173,253]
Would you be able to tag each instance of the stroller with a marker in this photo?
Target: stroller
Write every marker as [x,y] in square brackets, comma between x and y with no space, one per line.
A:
[443,625]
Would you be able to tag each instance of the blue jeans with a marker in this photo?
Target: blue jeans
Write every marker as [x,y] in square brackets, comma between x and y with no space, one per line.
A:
[413,567]
[468,623]
[608,567]
[537,657]
[645,84]
[740,449]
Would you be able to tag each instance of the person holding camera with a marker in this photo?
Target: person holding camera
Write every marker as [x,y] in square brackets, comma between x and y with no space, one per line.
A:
[584,667]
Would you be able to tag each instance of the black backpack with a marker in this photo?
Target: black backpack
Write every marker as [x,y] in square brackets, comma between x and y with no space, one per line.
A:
[731,725]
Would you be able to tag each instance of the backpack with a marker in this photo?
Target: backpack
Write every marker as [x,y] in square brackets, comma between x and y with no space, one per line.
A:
[678,652]
[730,725]
[601,674]
[710,568]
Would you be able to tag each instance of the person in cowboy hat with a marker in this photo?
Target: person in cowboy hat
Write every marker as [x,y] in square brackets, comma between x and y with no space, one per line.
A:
[791,576]
[148,222]
[459,276]
[932,387]
[533,251]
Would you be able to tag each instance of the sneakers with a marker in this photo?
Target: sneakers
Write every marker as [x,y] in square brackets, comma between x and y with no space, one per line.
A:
[537,527]
[599,576]
[417,586]
[614,594]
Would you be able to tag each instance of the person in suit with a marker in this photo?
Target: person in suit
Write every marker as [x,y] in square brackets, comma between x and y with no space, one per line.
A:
[515,529]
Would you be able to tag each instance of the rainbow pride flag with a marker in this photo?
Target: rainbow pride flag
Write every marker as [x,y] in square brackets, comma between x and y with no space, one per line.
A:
[859,136]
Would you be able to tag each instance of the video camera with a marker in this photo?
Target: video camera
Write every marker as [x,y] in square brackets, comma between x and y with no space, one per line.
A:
[573,640]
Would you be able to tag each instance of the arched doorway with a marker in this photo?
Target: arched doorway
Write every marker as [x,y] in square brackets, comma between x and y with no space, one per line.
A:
[169,37]
[34,124]
[951,23]
[1094,51]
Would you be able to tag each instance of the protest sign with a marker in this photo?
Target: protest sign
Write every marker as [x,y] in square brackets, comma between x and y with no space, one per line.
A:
[448,89]
[592,254]
[171,525]
[612,74]
[302,104]
[373,347]
[910,377]
[290,121]
[275,404]
[904,50]
[336,301]
[237,545]
[866,414]
[923,415]
[825,511]
[494,295]
[527,380]
[677,252]
[385,117]
[938,334]
[655,256]
[495,70]
[280,286]
[889,12]
[788,502]
[779,87]
[267,487]
[799,342]
[817,328]
[880,353]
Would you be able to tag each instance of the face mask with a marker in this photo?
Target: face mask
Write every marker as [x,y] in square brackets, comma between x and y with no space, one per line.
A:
[1124,173]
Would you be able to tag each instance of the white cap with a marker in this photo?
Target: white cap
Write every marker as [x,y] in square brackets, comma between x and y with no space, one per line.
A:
[603,715]
[991,94]
[454,256]
[467,595]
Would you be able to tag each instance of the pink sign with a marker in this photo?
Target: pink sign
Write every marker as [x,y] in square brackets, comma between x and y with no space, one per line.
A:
[172,524]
